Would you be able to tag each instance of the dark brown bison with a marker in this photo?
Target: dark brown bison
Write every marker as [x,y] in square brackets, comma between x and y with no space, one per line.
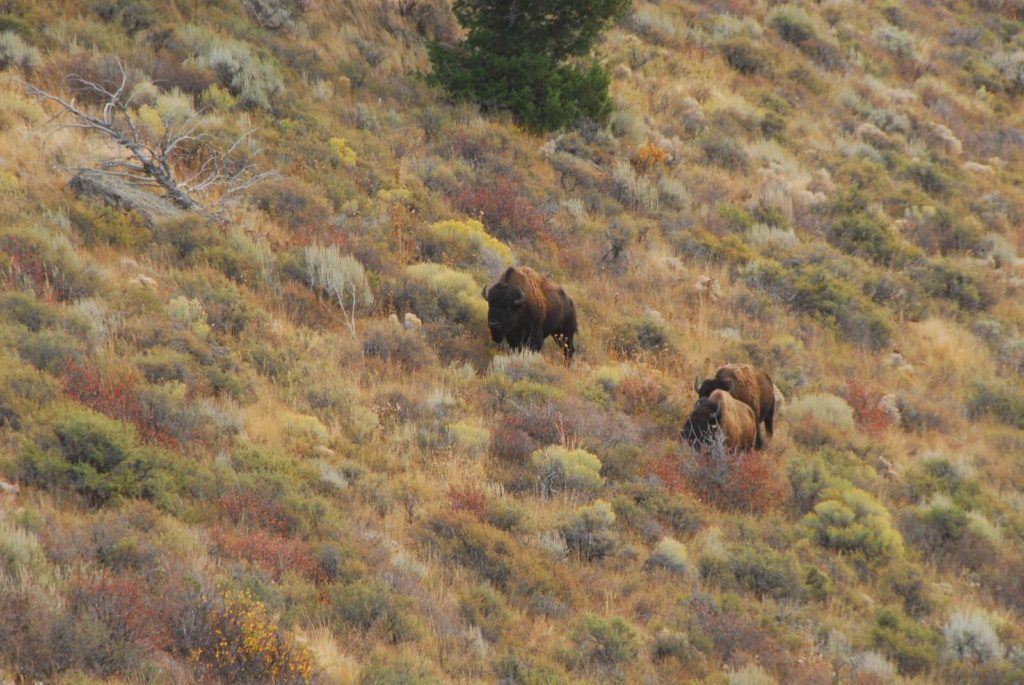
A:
[721,417]
[525,307]
[751,386]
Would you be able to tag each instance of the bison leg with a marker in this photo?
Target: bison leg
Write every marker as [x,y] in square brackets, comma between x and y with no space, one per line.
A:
[758,438]
[537,341]
[570,348]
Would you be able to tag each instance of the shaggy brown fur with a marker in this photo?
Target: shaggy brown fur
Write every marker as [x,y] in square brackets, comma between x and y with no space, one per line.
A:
[721,413]
[525,307]
[751,386]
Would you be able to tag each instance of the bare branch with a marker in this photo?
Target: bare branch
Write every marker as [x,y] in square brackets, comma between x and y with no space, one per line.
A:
[154,163]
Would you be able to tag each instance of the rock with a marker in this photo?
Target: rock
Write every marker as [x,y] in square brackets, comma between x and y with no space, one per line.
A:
[977,168]
[729,333]
[948,139]
[411,321]
[8,488]
[707,286]
[123,195]
[144,282]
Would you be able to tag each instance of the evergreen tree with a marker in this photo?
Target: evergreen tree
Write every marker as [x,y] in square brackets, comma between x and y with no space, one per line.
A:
[529,57]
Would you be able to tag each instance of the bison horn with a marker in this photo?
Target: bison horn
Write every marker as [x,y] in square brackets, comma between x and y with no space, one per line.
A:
[718,411]
[486,290]
[730,384]
[520,297]
[696,384]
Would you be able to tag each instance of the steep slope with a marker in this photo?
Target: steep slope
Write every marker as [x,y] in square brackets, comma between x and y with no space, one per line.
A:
[233,466]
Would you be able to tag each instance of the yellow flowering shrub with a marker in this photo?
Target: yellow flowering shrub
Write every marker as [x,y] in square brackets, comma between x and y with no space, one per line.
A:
[464,243]
[247,646]
[346,155]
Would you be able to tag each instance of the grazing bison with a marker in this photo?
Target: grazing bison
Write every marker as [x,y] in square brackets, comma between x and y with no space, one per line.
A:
[525,307]
[751,386]
[721,414]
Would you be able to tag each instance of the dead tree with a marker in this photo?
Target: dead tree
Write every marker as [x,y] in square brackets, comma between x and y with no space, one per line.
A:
[160,161]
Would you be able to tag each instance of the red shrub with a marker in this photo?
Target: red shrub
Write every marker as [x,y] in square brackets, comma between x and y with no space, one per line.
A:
[509,442]
[274,553]
[738,639]
[640,393]
[115,395]
[867,407]
[26,268]
[467,498]
[504,207]
[741,480]
[255,510]
[668,470]
[123,603]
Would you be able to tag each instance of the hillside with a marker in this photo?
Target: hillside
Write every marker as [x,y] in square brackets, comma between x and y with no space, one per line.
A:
[222,459]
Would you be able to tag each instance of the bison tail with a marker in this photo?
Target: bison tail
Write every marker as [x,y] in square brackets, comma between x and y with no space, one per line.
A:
[758,438]
[769,419]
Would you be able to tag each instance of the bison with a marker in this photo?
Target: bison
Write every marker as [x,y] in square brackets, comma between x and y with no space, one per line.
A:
[525,307]
[751,386]
[721,416]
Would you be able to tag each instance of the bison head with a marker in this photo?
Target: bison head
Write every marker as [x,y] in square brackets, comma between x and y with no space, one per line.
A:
[505,309]
[710,385]
[701,427]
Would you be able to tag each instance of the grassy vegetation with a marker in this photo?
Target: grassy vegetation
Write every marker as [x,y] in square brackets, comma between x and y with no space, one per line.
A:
[233,464]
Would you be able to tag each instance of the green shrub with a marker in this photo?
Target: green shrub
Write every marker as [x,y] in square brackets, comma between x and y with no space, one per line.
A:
[95,457]
[104,225]
[793,23]
[814,290]
[255,82]
[295,203]
[851,520]
[969,636]
[464,243]
[605,641]
[559,468]
[486,609]
[1000,400]
[910,643]
[765,572]
[948,280]
[398,672]
[15,52]
[93,440]
[895,40]
[513,669]
[938,475]
[829,409]
[863,235]
[525,64]
[28,311]
[725,152]
[395,345]
[498,559]
[751,674]
[588,531]
[162,364]
[745,56]
[810,479]
[439,293]
[647,334]
[369,604]
[44,261]
[671,554]
[49,350]
[819,585]
[20,552]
